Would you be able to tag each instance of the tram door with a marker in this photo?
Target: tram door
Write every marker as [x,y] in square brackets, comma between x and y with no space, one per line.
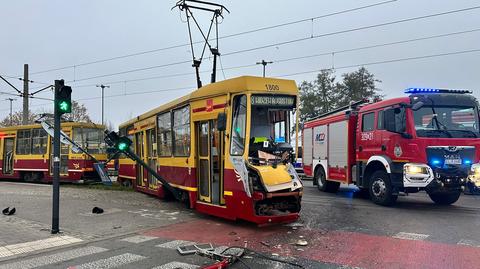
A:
[151,158]
[63,157]
[140,151]
[210,159]
[8,156]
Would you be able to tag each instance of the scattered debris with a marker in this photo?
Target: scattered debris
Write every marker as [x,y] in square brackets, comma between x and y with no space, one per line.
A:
[275,254]
[294,224]
[232,233]
[97,210]
[265,243]
[8,211]
[300,249]
[301,242]
[5,211]
[117,227]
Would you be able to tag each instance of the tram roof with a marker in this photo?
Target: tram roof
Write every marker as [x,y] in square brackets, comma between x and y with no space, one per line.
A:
[64,124]
[233,85]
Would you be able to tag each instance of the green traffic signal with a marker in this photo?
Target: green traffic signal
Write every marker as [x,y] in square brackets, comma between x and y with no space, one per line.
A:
[122,146]
[64,106]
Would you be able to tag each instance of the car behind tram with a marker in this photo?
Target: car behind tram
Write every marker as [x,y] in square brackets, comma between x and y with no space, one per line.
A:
[226,146]
[26,153]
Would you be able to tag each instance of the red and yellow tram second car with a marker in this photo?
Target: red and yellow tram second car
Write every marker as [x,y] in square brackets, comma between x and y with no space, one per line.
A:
[26,153]
[241,172]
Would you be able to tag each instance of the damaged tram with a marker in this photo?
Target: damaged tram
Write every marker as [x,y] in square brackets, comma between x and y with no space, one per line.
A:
[227,146]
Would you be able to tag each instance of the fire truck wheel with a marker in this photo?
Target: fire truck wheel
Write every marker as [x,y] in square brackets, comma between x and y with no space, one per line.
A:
[445,198]
[381,189]
[323,184]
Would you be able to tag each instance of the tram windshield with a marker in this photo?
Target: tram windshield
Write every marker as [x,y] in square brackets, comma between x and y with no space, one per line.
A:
[270,128]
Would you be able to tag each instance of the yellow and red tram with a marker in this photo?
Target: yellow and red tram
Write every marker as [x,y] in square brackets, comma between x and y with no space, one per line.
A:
[243,170]
[26,153]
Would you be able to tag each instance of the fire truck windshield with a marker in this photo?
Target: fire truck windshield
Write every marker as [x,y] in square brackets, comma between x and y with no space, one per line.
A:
[446,121]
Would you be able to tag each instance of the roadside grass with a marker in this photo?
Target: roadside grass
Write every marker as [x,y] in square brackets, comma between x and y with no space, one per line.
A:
[99,186]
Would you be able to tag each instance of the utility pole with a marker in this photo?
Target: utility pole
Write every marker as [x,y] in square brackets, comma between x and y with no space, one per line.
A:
[103,102]
[11,116]
[264,63]
[25,94]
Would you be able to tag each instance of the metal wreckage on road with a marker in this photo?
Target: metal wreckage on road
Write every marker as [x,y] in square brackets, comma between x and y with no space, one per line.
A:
[429,140]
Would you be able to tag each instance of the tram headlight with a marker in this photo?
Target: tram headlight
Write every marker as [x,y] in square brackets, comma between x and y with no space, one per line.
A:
[474,175]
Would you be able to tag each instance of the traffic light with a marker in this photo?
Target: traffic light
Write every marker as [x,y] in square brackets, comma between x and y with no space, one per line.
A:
[63,100]
[121,143]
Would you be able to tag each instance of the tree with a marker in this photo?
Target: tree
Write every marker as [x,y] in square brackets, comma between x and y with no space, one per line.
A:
[79,113]
[356,86]
[17,119]
[317,97]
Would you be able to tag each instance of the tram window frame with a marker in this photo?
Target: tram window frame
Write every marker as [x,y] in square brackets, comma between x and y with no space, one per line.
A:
[237,101]
[39,141]
[24,143]
[166,117]
[183,125]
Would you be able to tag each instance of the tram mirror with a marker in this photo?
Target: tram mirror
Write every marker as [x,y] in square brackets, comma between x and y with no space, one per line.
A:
[222,122]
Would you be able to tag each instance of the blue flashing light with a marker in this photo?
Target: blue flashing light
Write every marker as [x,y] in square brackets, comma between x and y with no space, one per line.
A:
[435,90]
[436,161]
[467,161]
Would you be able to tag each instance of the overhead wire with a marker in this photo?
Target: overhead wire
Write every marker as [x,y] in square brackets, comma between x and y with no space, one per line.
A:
[295,58]
[290,41]
[221,37]
[294,74]
[385,62]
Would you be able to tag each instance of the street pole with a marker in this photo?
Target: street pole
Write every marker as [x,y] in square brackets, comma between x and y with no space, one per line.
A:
[25,94]
[103,102]
[264,63]
[56,162]
[11,115]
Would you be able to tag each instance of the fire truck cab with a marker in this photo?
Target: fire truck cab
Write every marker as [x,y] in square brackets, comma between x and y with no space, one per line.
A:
[428,141]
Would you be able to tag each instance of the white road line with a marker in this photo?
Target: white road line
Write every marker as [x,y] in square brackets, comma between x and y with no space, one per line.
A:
[138,239]
[10,250]
[468,242]
[174,244]
[111,262]
[55,258]
[176,265]
[411,236]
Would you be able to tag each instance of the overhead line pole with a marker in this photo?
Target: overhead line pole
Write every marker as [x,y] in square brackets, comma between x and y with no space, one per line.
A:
[264,63]
[11,115]
[103,100]
[25,94]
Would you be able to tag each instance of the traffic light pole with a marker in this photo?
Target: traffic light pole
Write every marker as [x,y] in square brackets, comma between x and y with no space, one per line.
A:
[56,162]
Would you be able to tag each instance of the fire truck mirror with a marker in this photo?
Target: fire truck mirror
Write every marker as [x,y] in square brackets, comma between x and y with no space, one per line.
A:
[222,122]
[417,105]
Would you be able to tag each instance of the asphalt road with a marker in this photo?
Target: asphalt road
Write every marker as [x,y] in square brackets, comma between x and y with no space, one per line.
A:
[139,231]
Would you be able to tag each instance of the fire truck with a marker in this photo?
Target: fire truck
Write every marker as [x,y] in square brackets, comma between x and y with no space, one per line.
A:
[426,141]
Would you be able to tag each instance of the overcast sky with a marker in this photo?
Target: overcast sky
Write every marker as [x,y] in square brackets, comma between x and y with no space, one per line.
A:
[51,34]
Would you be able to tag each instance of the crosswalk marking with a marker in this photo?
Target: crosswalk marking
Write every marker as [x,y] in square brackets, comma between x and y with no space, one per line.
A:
[55,258]
[174,244]
[176,265]
[411,236]
[27,247]
[111,262]
[138,239]
[468,242]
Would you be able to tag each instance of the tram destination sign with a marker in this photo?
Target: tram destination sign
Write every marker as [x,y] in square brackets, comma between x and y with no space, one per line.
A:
[273,100]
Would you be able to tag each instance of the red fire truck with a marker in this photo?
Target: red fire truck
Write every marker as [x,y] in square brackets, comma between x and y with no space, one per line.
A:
[428,141]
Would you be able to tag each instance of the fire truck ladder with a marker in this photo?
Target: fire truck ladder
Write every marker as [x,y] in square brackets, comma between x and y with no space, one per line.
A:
[352,106]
